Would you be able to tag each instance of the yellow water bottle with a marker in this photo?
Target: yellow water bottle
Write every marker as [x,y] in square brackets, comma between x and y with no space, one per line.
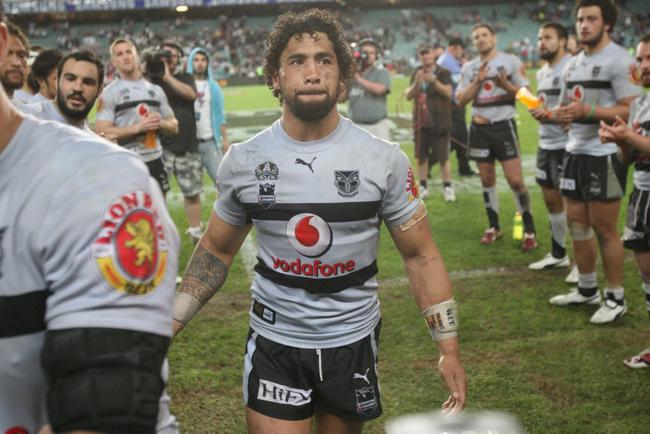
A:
[518,227]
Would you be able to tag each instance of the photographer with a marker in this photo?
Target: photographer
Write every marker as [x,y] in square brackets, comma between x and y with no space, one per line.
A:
[368,90]
[180,152]
[132,110]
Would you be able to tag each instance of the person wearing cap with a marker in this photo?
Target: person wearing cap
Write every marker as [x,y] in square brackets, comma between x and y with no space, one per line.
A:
[430,90]
[368,90]
[180,152]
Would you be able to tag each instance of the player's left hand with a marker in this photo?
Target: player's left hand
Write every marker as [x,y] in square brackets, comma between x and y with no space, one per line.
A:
[501,80]
[617,132]
[570,112]
[451,370]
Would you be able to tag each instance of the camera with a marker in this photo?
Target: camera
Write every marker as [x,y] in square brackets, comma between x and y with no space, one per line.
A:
[154,62]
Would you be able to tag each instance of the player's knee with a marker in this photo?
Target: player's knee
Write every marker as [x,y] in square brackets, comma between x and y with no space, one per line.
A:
[580,231]
[104,380]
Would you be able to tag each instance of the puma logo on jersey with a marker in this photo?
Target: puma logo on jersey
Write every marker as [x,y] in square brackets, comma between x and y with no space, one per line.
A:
[304,163]
[363,377]
[2,232]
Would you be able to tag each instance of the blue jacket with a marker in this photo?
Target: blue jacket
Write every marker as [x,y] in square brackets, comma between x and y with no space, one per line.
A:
[216,96]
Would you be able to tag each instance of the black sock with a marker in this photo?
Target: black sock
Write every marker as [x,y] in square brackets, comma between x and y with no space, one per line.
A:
[423,184]
[446,184]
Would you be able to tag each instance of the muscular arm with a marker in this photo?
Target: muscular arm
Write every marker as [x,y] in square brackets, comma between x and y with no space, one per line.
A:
[120,133]
[374,88]
[430,285]
[578,110]
[169,126]
[207,269]
[463,96]
[183,90]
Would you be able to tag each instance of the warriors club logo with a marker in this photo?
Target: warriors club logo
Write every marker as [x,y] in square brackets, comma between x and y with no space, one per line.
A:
[309,234]
[488,86]
[130,251]
[347,182]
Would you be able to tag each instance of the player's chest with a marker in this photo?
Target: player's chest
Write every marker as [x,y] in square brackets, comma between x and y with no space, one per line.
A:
[310,178]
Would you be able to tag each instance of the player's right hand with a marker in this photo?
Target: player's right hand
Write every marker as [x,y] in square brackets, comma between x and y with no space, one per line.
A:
[150,122]
[451,370]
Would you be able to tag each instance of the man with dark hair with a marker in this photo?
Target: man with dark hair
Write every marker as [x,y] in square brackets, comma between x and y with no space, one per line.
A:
[44,71]
[452,61]
[368,91]
[596,87]
[551,43]
[317,207]
[80,80]
[180,151]
[87,276]
[491,81]
[430,90]
[633,140]
[13,72]
[132,111]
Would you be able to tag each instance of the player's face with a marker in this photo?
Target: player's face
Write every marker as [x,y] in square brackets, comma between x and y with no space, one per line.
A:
[308,77]
[484,41]
[590,26]
[13,70]
[548,43]
[125,58]
[200,64]
[643,60]
[78,88]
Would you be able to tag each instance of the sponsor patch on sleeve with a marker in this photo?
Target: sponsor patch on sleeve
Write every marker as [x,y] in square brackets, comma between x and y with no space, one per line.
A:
[130,251]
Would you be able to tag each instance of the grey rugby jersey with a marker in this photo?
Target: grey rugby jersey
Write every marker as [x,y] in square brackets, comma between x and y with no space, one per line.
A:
[317,207]
[124,102]
[549,84]
[602,79]
[640,113]
[494,102]
[85,241]
[47,111]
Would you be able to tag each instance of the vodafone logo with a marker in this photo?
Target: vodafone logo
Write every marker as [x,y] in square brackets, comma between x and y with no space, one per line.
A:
[16,430]
[309,234]
[488,86]
[578,92]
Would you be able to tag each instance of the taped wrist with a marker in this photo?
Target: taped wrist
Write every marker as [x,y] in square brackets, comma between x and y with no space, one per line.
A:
[185,307]
[442,319]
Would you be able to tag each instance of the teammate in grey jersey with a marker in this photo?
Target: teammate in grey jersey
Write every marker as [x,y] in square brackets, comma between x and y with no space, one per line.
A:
[634,142]
[317,209]
[491,81]
[80,76]
[87,276]
[133,110]
[551,40]
[597,86]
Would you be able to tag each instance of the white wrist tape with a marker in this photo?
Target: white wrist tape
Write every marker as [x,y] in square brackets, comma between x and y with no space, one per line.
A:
[442,319]
[185,307]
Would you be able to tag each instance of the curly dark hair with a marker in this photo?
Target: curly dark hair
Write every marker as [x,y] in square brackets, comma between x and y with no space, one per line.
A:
[291,24]
[608,10]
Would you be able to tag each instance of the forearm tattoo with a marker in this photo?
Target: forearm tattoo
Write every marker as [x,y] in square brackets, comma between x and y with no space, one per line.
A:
[204,276]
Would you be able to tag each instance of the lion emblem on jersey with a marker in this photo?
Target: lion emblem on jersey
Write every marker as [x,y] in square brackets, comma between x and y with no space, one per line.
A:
[142,241]
[130,251]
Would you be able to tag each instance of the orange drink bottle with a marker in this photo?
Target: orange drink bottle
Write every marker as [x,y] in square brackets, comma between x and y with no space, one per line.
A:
[528,99]
[150,140]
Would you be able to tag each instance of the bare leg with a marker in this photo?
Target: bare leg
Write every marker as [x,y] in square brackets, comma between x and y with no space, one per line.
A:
[261,424]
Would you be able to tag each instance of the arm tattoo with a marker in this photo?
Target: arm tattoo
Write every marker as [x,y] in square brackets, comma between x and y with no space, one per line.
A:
[204,276]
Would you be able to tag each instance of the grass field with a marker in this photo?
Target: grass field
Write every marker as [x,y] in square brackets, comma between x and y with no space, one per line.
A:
[548,366]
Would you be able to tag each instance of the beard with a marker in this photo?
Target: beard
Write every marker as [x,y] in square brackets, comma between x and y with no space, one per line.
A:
[76,114]
[548,55]
[12,85]
[595,40]
[310,111]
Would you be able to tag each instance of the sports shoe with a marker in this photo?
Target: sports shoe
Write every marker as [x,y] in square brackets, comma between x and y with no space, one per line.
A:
[449,194]
[195,234]
[550,261]
[608,311]
[574,297]
[490,236]
[529,242]
[573,276]
[424,192]
[641,360]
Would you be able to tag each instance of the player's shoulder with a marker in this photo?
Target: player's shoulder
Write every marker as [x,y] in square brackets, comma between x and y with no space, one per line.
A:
[613,49]
[504,57]
[33,108]
[473,63]
[362,142]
